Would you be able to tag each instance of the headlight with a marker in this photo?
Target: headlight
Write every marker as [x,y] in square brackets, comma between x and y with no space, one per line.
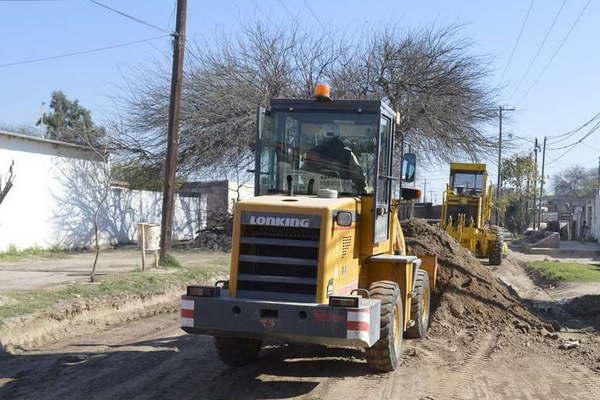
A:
[343,218]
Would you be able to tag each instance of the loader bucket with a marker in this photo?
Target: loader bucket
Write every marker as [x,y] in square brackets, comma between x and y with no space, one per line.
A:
[429,264]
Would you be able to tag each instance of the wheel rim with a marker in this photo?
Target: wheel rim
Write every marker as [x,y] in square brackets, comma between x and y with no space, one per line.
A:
[425,305]
[396,330]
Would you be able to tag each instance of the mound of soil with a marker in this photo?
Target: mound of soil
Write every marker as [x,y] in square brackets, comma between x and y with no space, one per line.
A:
[468,294]
[214,240]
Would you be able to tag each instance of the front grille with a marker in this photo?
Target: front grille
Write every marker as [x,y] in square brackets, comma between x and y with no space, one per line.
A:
[470,211]
[346,246]
[278,263]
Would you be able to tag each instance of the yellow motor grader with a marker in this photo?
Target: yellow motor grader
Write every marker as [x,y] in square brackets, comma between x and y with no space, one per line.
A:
[318,255]
[467,211]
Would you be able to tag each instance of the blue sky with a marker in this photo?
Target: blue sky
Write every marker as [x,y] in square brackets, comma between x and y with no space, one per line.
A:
[566,95]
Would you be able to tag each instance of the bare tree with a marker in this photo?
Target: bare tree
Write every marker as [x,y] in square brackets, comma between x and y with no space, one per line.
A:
[428,75]
[8,183]
[431,79]
[575,181]
[96,175]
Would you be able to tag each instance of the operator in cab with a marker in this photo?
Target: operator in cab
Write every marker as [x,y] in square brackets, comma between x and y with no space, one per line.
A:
[332,157]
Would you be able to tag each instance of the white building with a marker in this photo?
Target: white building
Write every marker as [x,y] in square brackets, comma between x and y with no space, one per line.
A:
[56,192]
[594,217]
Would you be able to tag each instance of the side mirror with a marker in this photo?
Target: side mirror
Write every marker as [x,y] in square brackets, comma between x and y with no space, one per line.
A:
[409,166]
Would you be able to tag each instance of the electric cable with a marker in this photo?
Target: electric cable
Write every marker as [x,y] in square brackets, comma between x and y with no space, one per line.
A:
[557,49]
[131,17]
[512,53]
[76,53]
[537,53]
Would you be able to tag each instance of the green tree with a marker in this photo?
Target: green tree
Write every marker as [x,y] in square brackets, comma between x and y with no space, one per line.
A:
[69,121]
[518,176]
[575,181]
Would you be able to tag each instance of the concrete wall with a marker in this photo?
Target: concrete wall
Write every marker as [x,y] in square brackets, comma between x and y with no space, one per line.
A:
[216,197]
[595,218]
[56,189]
[126,208]
[26,215]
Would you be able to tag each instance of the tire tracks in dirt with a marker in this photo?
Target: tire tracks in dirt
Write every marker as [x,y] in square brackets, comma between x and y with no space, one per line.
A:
[457,383]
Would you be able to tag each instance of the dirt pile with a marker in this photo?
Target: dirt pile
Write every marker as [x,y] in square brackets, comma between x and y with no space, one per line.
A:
[213,240]
[468,293]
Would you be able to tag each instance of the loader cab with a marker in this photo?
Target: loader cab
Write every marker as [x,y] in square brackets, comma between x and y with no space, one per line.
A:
[466,193]
[468,179]
[305,146]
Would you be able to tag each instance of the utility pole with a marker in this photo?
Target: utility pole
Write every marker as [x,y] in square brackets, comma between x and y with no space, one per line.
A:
[542,183]
[173,130]
[424,190]
[499,185]
[535,151]
[42,119]
[527,191]
[598,186]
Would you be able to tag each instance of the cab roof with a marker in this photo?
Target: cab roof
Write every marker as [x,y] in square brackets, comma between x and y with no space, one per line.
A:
[476,167]
[367,106]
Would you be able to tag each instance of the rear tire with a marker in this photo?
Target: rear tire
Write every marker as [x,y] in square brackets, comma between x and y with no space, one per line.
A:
[383,356]
[496,248]
[237,351]
[419,309]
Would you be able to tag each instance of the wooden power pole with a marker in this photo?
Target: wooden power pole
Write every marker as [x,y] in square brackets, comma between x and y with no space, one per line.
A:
[539,221]
[534,206]
[173,130]
[598,180]
[499,185]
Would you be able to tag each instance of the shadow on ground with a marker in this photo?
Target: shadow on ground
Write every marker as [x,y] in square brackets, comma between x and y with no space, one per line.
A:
[179,367]
[579,313]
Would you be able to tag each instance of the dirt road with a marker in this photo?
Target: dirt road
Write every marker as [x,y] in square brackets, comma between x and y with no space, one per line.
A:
[483,344]
[152,359]
[39,273]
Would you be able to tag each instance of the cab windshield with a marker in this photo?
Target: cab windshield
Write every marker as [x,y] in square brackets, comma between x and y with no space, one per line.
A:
[467,182]
[318,150]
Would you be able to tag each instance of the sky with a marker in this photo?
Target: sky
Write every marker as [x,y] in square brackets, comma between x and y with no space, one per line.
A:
[565,96]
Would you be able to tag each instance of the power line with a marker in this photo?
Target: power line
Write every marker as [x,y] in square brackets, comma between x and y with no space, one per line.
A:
[592,130]
[526,139]
[286,9]
[76,53]
[558,48]
[537,53]
[512,53]
[562,155]
[131,17]
[573,145]
[314,15]
[571,133]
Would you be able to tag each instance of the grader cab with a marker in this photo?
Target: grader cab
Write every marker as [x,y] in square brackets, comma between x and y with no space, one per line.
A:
[318,255]
[467,211]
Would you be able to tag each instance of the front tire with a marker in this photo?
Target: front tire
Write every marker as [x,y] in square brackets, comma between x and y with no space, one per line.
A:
[235,351]
[496,248]
[383,356]
[420,306]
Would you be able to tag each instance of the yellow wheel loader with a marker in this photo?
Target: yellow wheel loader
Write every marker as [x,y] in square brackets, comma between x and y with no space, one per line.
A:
[318,255]
[467,211]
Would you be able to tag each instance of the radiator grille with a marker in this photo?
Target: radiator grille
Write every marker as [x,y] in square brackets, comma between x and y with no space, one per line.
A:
[278,263]
[346,245]
[470,211]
